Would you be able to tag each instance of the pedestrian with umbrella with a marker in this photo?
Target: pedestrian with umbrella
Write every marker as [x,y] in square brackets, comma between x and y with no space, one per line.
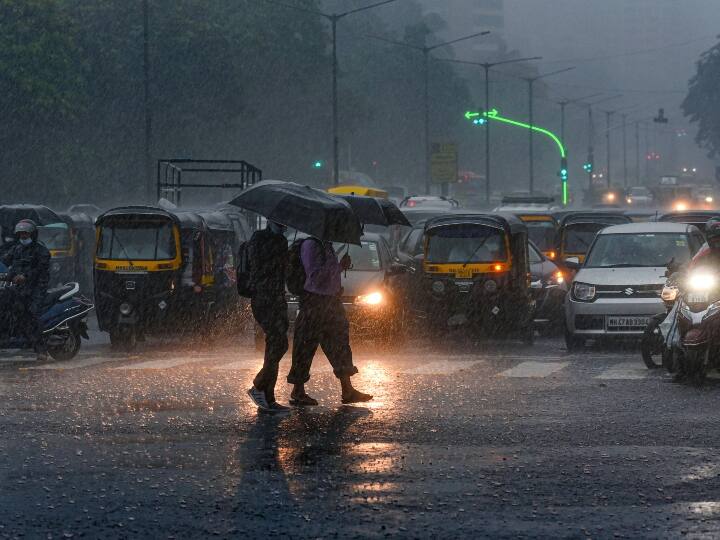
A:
[314,274]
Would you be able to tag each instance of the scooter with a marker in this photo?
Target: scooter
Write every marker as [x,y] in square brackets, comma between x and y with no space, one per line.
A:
[654,344]
[64,320]
[699,324]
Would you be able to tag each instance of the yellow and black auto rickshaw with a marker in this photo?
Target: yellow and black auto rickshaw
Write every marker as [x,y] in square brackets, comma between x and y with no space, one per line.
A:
[159,271]
[577,231]
[82,245]
[542,230]
[476,271]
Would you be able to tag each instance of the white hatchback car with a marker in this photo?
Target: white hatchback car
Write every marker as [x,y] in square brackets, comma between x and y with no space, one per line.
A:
[617,288]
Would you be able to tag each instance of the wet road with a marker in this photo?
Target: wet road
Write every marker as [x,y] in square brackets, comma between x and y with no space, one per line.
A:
[463,439]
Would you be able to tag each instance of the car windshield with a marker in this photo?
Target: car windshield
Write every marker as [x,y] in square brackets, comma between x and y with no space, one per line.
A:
[365,257]
[466,243]
[579,236]
[542,233]
[642,249]
[54,236]
[143,241]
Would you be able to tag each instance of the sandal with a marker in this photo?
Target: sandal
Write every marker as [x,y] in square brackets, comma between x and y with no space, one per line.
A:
[302,401]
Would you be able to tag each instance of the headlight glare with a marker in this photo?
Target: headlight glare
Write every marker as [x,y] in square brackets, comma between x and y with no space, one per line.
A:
[372,299]
[701,281]
[583,291]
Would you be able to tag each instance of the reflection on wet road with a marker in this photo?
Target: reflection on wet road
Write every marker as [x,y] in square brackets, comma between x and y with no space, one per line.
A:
[469,440]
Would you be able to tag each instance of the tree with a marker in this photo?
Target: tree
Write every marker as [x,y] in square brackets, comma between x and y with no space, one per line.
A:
[702,104]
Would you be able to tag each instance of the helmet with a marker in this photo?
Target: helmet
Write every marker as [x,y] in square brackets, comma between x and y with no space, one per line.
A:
[26,226]
[712,229]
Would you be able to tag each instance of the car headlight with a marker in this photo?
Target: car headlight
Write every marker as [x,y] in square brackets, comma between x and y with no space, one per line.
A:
[669,294]
[557,278]
[701,281]
[125,308]
[438,287]
[372,299]
[583,291]
[708,199]
[628,200]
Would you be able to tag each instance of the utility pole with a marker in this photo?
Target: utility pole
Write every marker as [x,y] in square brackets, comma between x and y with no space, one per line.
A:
[426,50]
[531,83]
[149,190]
[608,117]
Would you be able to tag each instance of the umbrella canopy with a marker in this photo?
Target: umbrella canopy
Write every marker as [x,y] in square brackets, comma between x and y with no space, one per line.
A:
[303,208]
[376,211]
[11,214]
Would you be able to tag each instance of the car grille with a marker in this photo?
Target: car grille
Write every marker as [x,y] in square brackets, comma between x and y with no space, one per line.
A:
[628,291]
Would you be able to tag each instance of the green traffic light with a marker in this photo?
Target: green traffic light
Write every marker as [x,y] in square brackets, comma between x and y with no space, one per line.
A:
[318,164]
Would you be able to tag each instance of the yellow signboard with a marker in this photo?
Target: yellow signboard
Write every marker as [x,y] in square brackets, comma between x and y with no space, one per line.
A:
[443,163]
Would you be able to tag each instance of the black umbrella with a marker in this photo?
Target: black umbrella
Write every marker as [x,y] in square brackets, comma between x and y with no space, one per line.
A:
[11,214]
[376,211]
[303,208]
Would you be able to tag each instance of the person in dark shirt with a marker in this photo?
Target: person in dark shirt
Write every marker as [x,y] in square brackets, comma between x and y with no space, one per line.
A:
[268,260]
[28,263]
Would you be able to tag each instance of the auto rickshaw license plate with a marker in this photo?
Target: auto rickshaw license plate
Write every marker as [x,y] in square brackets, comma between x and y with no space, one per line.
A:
[463,273]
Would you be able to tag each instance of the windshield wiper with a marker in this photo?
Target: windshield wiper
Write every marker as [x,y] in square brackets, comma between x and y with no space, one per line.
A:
[627,265]
[469,260]
[115,237]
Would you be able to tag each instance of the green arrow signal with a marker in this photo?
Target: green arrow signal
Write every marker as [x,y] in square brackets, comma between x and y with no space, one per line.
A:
[470,114]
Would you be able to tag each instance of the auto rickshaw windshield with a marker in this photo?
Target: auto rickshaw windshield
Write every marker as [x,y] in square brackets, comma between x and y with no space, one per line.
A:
[137,240]
[579,236]
[466,243]
[54,236]
[542,233]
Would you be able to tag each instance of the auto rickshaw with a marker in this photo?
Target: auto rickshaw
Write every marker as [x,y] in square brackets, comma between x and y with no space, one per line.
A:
[82,245]
[53,233]
[476,271]
[577,230]
[159,271]
[693,217]
[542,230]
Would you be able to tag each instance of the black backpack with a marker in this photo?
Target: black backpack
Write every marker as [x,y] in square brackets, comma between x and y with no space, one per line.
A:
[296,276]
[244,285]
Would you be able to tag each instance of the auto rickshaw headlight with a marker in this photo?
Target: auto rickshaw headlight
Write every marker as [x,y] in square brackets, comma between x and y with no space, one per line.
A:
[490,286]
[125,308]
[438,287]
[55,267]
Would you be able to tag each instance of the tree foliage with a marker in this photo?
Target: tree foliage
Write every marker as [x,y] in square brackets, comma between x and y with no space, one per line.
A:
[702,103]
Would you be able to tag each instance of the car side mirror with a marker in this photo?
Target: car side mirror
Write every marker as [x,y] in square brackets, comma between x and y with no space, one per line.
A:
[573,263]
[397,268]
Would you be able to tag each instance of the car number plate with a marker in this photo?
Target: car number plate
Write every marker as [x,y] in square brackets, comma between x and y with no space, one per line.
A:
[628,321]
[697,297]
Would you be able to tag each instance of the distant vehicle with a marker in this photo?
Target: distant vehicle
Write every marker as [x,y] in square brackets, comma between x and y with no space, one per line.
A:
[617,289]
[692,217]
[548,289]
[414,201]
[577,231]
[87,209]
[704,197]
[526,202]
[372,295]
[542,230]
[639,196]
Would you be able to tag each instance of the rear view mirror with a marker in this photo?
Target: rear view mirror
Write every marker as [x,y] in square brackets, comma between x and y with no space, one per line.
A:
[573,263]
[397,268]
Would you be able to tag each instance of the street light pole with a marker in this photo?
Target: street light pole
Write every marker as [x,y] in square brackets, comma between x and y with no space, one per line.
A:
[487,66]
[426,97]
[146,98]
[637,153]
[608,117]
[531,82]
[624,139]
[333,18]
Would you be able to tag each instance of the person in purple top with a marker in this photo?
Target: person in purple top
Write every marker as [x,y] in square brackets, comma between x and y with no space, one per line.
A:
[321,321]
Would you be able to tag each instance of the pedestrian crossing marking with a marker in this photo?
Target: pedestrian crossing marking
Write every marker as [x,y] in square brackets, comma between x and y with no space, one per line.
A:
[77,363]
[626,371]
[534,369]
[165,363]
[439,368]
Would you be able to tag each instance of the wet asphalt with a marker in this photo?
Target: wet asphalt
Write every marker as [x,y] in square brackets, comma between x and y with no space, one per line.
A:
[463,439]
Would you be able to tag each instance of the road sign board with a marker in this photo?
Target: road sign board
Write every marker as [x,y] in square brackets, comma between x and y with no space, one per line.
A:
[443,163]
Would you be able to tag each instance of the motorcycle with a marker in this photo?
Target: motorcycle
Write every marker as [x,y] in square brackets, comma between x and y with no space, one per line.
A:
[655,343]
[63,320]
[699,324]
